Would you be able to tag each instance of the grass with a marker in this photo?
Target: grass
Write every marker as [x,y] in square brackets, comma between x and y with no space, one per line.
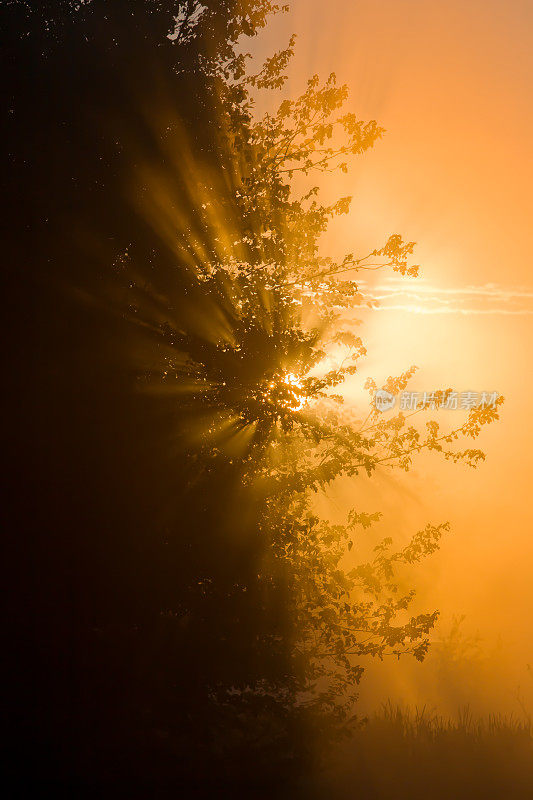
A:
[412,754]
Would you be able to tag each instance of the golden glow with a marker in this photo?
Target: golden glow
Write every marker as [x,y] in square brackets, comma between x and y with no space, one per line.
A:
[454,172]
[462,189]
[287,392]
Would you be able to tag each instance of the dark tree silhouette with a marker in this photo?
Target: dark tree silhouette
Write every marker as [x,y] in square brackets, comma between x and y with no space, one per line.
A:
[179,612]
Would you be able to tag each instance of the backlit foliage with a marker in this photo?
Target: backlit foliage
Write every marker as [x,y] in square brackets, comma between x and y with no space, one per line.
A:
[265,381]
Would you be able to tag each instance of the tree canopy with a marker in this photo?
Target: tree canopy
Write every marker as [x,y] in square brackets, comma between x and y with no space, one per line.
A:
[179,324]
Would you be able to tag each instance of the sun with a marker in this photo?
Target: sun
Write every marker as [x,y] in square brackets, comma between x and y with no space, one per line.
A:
[285,392]
[296,391]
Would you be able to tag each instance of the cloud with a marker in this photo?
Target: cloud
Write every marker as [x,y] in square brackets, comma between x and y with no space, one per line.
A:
[416,296]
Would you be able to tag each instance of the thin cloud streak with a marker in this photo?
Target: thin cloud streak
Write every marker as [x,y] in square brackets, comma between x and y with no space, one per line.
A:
[466,311]
[465,300]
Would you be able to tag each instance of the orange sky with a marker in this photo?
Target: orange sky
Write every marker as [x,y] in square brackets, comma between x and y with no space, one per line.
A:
[452,82]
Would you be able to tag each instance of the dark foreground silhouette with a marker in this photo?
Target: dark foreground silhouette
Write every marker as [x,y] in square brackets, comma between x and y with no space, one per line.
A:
[135,608]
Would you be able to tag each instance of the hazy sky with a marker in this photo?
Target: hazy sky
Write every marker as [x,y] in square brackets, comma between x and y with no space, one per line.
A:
[452,82]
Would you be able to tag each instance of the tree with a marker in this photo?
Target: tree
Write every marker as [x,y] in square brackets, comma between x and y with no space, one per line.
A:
[100,651]
[270,410]
[179,333]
